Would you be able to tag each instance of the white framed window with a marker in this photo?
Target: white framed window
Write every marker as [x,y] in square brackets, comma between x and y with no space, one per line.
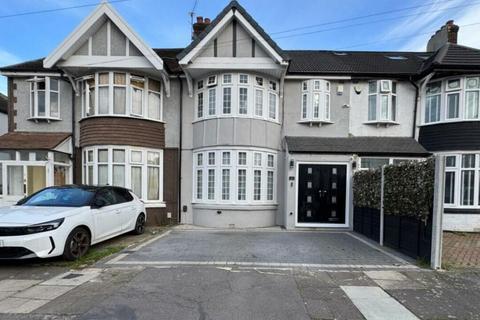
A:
[211,81]
[315,101]
[462,180]
[239,95]
[240,176]
[382,101]
[212,101]
[452,99]
[259,102]
[139,169]
[44,98]
[23,173]
[227,100]
[121,94]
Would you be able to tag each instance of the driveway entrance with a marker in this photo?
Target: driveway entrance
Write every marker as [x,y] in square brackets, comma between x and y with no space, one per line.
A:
[328,250]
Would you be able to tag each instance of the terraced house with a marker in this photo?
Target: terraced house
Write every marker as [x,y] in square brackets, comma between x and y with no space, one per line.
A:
[233,131]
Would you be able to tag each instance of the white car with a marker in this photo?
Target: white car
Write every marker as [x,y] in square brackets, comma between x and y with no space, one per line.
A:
[66,220]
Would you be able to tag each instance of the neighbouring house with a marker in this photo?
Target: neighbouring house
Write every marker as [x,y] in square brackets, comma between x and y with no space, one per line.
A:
[3,114]
[233,131]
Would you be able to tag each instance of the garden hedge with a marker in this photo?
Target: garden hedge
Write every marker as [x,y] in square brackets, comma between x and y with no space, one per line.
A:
[408,189]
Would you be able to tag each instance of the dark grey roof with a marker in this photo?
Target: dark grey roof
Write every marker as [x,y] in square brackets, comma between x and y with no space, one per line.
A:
[3,103]
[29,66]
[355,62]
[356,145]
[169,57]
[453,56]
[234,5]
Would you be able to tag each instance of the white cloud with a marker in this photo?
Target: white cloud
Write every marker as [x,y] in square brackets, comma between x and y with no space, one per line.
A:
[421,23]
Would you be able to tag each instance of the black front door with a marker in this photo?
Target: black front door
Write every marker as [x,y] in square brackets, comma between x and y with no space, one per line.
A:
[322,193]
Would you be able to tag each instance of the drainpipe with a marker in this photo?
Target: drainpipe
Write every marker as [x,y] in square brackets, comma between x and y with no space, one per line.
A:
[74,151]
[180,121]
[415,109]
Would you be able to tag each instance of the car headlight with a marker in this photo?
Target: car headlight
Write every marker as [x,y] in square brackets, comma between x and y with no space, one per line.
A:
[43,227]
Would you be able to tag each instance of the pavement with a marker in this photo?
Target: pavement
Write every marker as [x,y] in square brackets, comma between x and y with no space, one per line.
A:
[212,274]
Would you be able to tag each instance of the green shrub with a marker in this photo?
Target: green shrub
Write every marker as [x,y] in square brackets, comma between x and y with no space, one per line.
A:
[366,189]
[408,189]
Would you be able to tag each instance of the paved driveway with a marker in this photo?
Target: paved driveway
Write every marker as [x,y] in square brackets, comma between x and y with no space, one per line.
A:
[263,248]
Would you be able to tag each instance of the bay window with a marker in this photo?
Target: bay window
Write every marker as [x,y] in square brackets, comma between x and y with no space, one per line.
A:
[121,94]
[238,95]
[138,169]
[44,98]
[452,99]
[382,101]
[238,177]
[462,179]
[315,104]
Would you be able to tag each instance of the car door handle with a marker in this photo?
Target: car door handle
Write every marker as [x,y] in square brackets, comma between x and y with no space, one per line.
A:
[117,211]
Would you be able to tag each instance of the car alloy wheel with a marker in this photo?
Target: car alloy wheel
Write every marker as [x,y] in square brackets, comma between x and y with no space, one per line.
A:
[140,224]
[78,243]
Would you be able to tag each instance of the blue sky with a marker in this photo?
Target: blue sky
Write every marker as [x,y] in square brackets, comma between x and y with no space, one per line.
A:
[166,23]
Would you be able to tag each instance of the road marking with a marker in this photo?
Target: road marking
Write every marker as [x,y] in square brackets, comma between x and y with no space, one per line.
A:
[263,264]
[376,304]
[378,248]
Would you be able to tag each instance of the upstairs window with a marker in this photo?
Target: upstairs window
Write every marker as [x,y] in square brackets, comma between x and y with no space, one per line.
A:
[121,94]
[452,99]
[432,102]
[44,98]
[315,102]
[382,100]
[237,95]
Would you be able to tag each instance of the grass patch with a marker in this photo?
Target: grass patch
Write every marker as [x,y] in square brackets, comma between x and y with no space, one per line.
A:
[93,255]
[423,263]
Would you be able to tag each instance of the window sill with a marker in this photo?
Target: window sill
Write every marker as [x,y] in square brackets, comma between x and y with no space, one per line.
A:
[382,123]
[43,119]
[448,121]
[317,122]
[122,116]
[235,207]
[235,116]
[153,204]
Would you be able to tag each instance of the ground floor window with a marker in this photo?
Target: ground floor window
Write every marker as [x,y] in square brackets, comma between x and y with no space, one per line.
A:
[24,172]
[462,180]
[368,163]
[138,169]
[236,175]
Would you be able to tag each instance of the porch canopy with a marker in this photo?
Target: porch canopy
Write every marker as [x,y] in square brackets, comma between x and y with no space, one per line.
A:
[35,141]
[393,146]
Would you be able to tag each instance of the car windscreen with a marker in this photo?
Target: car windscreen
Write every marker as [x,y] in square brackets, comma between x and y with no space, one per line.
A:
[61,197]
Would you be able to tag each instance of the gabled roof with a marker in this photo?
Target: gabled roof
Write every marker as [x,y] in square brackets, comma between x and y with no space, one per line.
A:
[3,103]
[32,140]
[75,37]
[453,56]
[233,6]
[357,145]
[355,62]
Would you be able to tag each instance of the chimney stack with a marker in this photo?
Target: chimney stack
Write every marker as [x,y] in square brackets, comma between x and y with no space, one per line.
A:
[446,34]
[199,26]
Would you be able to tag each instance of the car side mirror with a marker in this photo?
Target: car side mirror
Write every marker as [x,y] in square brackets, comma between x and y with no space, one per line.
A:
[98,203]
